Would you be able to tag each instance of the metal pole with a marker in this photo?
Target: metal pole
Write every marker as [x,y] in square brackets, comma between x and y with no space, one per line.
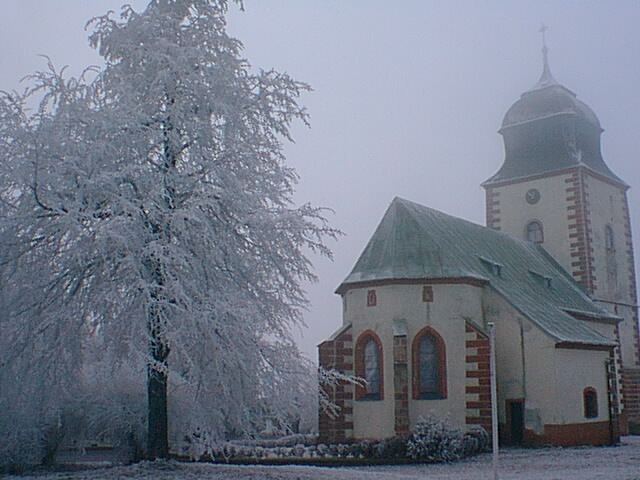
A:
[494,399]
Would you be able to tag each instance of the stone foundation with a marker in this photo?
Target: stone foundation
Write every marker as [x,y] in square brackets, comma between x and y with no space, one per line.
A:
[571,435]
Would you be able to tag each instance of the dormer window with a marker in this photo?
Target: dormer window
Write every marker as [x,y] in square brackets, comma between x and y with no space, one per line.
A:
[493,267]
[544,279]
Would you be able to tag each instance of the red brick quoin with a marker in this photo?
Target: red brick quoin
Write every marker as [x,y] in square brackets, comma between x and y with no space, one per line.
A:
[478,388]
[337,353]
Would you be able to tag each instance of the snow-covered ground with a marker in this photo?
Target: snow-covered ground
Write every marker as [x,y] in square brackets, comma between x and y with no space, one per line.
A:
[610,463]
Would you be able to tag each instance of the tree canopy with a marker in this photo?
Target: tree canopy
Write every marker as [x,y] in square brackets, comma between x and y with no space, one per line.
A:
[147,224]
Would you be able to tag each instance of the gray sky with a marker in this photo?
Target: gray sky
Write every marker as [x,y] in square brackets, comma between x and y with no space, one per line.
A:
[408,95]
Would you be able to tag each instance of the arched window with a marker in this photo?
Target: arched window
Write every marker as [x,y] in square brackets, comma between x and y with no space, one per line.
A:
[369,366]
[534,232]
[612,264]
[609,241]
[590,402]
[429,365]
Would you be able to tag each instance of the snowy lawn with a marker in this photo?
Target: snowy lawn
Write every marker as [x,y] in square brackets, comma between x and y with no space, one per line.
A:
[610,463]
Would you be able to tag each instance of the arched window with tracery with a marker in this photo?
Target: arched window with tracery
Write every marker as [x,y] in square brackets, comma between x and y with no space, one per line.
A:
[369,366]
[535,232]
[429,369]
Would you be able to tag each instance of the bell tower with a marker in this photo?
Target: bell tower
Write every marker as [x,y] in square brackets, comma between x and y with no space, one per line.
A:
[555,189]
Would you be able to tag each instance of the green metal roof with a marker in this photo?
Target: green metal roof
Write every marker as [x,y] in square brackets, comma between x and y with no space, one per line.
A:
[413,242]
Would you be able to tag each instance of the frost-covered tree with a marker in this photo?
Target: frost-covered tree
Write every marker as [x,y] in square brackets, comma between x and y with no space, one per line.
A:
[149,212]
[41,266]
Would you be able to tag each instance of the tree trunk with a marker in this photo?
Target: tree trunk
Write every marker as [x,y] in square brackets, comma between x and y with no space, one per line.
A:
[157,428]
[158,435]
[158,431]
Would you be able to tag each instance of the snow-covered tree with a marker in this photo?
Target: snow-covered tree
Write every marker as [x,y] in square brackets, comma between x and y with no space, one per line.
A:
[149,211]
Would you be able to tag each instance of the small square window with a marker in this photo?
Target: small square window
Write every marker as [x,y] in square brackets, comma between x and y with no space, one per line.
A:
[427,294]
[372,300]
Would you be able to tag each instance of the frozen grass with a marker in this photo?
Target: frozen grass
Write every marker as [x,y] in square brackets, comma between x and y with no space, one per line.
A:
[586,463]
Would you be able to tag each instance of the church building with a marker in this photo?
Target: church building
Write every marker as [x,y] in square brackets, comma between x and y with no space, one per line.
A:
[553,270]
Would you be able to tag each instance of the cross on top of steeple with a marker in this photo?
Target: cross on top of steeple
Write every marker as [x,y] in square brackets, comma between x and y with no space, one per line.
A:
[546,79]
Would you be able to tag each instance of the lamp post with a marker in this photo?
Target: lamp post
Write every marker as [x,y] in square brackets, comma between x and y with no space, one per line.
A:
[494,398]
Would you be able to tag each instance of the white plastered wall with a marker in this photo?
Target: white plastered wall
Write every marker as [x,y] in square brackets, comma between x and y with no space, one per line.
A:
[551,380]
[525,363]
[607,206]
[551,211]
[576,370]
[451,305]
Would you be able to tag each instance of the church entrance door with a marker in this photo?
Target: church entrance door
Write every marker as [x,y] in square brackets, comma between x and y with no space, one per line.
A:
[515,421]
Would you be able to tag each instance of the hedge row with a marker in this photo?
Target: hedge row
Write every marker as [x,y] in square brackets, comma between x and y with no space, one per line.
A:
[432,441]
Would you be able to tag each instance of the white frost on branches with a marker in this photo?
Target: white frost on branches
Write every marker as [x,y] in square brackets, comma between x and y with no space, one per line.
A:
[329,379]
[152,204]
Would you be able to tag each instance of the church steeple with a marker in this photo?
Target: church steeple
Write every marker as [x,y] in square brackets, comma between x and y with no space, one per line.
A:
[555,189]
[549,130]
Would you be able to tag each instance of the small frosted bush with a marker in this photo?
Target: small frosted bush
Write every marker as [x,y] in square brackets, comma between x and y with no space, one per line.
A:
[392,448]
[476,441]
[434,440]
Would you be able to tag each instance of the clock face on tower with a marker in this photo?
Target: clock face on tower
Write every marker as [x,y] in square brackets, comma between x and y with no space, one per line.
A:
[532,196]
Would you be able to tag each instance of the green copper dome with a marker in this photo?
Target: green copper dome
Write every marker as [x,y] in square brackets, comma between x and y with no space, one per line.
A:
[548,129]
